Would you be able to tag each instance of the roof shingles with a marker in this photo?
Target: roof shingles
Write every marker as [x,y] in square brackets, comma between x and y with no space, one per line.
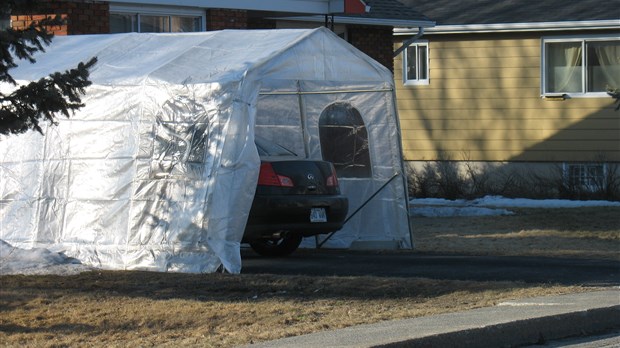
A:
[464,12]
[391,9]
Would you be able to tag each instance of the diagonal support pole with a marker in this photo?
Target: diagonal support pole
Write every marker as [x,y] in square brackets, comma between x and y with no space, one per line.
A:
[359,208]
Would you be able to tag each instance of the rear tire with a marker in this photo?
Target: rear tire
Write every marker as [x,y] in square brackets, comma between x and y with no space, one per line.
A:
[277,247]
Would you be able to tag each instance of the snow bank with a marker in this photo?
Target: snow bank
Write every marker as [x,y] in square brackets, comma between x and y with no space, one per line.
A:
[497,201]
[488,206]
[457,211]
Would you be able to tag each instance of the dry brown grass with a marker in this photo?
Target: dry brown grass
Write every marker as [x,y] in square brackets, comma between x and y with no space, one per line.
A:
[140,308]
[214,310]
[577,232]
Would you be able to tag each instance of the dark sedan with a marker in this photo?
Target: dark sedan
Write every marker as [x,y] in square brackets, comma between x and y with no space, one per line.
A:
[294,198]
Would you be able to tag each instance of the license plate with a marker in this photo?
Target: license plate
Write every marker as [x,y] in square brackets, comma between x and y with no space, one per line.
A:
[318,215]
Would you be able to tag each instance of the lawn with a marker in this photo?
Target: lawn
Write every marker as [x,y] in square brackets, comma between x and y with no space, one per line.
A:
[105,308]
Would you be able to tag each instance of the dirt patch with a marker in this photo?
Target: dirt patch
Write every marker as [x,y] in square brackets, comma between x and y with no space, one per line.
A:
[116,309]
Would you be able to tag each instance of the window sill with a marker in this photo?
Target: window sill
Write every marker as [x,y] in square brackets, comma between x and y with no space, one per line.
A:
[564,96]
[416,83]
[555,97]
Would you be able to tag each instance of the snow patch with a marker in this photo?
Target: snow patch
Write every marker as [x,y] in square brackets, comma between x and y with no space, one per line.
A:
[15,260]
[457,211]
[488,206]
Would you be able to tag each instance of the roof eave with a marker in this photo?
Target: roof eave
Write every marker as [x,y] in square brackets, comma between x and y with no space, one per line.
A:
[514,27]
[397,23]
[306,6]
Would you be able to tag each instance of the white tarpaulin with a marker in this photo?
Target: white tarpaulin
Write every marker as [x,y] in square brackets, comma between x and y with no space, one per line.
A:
[158,170]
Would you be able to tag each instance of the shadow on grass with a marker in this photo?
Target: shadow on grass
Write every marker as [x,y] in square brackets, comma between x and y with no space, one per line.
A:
[18,289]
[52,329]
[332,274]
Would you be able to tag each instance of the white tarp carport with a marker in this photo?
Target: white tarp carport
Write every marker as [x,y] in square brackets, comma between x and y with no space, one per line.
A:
[158,170]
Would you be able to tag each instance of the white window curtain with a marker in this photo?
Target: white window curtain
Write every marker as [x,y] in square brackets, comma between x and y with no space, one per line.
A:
[608,69]
[564,61]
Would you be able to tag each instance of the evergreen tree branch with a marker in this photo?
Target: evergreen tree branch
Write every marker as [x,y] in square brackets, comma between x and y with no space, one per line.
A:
[615,93]
[43,99]
[23,44]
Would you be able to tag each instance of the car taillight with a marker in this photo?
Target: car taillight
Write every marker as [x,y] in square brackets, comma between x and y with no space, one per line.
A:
[268,177]
[332,180]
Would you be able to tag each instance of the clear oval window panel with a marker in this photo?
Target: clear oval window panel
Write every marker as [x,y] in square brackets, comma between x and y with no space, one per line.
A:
[344,140]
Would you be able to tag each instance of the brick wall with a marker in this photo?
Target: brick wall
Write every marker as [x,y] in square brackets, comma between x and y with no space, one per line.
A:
[82,17]
[261,23]
[219,19]
[24,21]
[93,17]
[374,41]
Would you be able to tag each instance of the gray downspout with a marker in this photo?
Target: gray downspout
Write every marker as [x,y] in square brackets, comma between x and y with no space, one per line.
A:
[410,41]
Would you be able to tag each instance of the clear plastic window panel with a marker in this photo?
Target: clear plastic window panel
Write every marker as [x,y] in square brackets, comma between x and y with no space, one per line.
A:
[179,150]
[278,119]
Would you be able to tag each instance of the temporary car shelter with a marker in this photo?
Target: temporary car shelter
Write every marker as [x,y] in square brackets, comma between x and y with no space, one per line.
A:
[158,170]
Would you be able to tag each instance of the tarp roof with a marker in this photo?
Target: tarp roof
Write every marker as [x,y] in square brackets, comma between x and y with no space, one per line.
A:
[135,58]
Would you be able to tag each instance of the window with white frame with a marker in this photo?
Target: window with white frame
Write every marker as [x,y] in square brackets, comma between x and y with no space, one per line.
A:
[580,66]
[587,176]
[145,19]
[415,64]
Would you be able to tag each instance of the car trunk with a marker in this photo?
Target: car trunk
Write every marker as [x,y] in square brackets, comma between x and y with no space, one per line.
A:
[296,177]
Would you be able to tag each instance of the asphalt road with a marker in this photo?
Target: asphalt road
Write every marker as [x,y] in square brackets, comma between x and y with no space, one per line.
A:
[609,340]
[456,267]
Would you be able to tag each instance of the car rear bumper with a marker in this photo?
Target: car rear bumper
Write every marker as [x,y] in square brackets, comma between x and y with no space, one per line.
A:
[291,213]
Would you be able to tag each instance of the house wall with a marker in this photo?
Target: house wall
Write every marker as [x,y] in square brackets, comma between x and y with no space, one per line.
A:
[484,103]
[220,19]
[374,41]
[82,17]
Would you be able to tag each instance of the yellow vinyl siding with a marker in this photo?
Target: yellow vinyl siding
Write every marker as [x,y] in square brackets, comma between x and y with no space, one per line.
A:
[516,105]
[455,146]
[529,119]
[483,102]
[515,156]
[488,128]
[459,84]
[464,72]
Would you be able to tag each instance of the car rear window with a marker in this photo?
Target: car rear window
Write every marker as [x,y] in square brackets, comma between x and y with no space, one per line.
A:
[268,148]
